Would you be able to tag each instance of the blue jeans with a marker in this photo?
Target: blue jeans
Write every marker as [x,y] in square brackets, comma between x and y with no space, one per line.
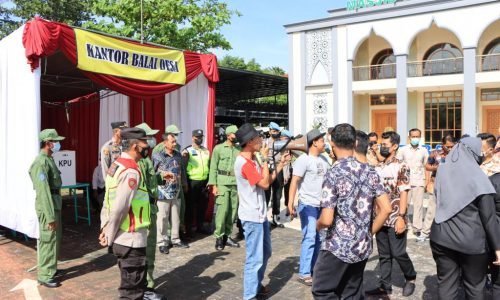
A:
[258,252]
[310,238]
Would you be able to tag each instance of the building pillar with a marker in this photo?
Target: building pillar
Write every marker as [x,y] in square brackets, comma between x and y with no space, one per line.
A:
[469,107]
[349,92]
[401,97]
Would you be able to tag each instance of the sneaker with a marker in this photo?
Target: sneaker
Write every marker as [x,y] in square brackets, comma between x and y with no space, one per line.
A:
[264,291]
[380,291]
[409,288]
[422,238]
[180,244]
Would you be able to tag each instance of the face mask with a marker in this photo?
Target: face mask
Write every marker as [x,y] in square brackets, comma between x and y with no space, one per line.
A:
[144,152]
[415,141]
[275,135]
[56,147]
[198,141]
[152,142]
[385,151]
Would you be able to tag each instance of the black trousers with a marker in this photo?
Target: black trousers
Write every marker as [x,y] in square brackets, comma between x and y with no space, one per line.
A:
[196,204]
[274,193]
[452,265]
[132,264]
[390,245]
[495,278]
[335,279]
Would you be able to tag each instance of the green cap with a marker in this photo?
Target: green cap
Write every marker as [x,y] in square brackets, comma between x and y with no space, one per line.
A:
[172,129]
[50,135]
[147,129]
[231,129]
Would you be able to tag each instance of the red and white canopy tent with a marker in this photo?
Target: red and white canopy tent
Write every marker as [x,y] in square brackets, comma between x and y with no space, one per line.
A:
[27,106]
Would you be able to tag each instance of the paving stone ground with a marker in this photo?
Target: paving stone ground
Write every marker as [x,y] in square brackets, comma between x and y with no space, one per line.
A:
[199,272]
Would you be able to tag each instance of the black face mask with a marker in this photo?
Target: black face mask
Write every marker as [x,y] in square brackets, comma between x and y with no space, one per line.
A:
[198,141]
[144,152]
[276,135]
[385,151]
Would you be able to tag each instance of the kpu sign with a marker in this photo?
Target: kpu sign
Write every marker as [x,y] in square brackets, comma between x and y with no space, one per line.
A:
[357,4]
[106,55]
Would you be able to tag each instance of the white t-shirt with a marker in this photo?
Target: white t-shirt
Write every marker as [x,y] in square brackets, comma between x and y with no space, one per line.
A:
[311,169]
[252,199]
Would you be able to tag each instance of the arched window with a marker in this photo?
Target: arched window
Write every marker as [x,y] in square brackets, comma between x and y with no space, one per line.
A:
[443,58]
[491,56]
[384,65]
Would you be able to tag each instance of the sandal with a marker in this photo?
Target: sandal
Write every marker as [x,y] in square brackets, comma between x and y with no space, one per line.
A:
[307,280]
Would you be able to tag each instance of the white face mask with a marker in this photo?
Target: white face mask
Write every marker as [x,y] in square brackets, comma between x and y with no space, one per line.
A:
[56,147]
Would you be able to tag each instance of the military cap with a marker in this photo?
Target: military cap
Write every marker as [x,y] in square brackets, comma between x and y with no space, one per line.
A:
[134,133]
[274,126]
[50,134]
[231,129]
[198,132]
[246,133]
[172,129]
[147,129]
[119,124]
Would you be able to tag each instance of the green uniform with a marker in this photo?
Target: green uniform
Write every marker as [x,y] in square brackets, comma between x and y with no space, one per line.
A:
[47,183]
[150,178]
[222,176]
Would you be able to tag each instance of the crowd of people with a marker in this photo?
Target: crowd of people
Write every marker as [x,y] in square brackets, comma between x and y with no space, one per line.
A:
[348,188]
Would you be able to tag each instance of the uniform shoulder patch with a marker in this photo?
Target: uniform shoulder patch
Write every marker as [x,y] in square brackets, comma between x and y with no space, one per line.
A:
[112,169]
[42,177]
[105,151]
[132,183]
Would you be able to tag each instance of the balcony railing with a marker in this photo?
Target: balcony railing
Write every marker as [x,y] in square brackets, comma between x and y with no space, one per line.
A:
[373,72]
[489,62]
[436,67]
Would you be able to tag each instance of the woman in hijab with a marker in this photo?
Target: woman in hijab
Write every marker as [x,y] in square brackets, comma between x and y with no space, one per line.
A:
[465,227]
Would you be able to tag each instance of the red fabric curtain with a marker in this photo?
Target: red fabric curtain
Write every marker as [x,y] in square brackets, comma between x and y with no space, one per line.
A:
[149,110]
[42,38]
[81,132]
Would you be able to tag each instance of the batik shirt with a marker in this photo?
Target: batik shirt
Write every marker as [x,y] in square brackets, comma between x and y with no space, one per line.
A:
[395,175]
[349,188]
[163,162]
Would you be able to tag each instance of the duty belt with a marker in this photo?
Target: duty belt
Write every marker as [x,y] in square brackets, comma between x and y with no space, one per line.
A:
[55,191]
[225,173]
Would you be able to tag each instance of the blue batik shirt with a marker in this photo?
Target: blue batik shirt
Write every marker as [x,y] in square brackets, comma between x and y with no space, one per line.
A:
[163,162]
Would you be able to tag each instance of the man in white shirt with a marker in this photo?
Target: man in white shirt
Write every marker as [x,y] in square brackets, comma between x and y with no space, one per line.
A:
[415,157]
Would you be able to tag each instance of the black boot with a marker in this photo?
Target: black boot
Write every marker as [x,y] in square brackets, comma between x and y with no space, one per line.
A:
[219,244]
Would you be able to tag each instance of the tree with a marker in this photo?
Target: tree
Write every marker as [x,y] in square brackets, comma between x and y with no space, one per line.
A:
[72,12]
[275,71]
[185,24]
[232,62]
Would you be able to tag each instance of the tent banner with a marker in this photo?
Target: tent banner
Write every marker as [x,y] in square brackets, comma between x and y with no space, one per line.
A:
[107,55]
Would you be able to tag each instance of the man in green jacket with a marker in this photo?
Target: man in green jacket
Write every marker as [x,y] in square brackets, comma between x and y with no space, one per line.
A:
[47,183]
[223,183]
[150,178]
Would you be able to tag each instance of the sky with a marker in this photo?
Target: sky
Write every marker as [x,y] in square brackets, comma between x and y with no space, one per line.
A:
[259,32]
